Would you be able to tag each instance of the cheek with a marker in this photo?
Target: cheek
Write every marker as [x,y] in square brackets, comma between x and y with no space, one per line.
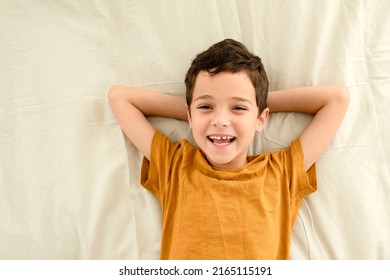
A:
[196,119]
[198,125]
[247,129]
[194,123]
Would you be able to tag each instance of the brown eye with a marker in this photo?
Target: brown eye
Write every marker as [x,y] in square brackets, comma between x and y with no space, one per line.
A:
[239,108]
[204,107]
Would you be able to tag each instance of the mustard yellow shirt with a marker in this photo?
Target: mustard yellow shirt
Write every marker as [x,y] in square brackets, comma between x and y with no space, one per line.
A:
[246,213]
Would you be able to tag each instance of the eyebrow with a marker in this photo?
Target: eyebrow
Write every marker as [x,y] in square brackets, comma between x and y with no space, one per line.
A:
[242,99]
[205,96]
[236,98]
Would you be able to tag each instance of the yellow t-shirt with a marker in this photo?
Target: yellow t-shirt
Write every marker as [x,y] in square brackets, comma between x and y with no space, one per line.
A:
[246,213]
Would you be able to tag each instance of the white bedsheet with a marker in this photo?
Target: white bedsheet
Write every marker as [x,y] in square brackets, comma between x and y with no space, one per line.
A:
[69,181]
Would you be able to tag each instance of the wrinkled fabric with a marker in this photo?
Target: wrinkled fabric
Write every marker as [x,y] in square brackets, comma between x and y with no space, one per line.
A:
[69,180]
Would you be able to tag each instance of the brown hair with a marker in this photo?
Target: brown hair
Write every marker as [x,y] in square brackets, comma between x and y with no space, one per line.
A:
[231,56]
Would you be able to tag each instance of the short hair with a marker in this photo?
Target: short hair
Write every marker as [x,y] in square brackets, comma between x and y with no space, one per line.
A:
[230,56]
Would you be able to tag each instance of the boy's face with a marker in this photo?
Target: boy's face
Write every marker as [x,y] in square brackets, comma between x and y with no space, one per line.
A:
[224,117]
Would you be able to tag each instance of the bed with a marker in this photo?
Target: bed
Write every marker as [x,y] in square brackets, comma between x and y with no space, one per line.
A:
[69,179]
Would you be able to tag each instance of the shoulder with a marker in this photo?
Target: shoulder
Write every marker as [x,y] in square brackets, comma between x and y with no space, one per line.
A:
[293,151]
[166,162]
[286,160]
[286,167]
[292,161]
[163,146]
[160,138]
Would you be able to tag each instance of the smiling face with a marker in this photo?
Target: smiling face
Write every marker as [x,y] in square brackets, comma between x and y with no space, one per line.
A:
[224,117]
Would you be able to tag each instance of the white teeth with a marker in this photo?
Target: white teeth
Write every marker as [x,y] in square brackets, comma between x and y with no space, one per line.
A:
[221,137]
[226,140]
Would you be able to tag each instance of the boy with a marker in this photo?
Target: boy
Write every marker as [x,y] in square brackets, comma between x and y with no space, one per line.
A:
[218,203]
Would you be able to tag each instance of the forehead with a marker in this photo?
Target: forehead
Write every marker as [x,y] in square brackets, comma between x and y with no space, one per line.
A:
[224,85]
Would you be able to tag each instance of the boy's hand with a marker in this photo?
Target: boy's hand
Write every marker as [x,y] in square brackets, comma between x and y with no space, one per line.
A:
[328,104]
[131,106]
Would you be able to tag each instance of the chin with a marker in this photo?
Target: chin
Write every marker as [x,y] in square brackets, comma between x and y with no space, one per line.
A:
[224,163]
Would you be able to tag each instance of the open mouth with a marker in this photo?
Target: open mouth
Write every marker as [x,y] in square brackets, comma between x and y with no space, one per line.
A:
[221,140]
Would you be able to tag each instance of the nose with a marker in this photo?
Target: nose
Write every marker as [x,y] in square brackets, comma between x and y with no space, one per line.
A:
[220,119]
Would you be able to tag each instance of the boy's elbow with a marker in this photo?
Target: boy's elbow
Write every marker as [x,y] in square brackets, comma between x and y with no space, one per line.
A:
[117,93]
[112,93]
[121,93]
[342,96]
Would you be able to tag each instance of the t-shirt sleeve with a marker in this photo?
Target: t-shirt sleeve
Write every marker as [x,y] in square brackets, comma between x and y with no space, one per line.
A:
[301,182]
[154,173]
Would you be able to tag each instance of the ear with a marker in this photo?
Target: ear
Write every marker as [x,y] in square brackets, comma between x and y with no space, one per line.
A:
[262,120]
[189,115]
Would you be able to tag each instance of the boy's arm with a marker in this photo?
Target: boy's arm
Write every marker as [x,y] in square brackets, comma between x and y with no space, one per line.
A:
[327,103]
[131,106]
